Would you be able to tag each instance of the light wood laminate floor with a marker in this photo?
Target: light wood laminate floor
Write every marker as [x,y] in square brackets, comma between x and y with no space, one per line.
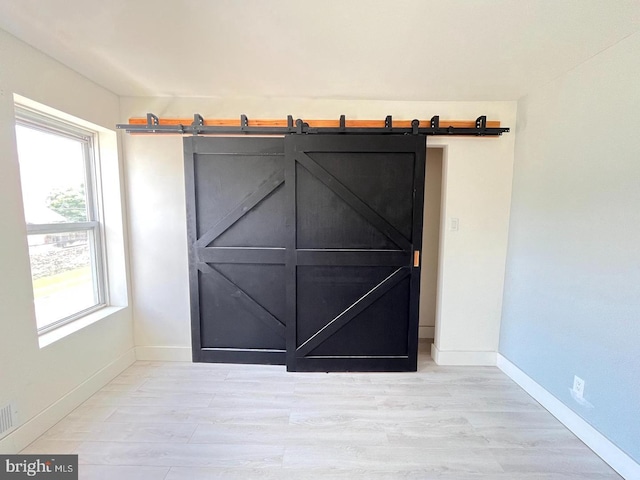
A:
[183,421]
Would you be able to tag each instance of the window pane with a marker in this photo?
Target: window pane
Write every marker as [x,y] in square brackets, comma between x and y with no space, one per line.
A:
[52,171]
[63,276]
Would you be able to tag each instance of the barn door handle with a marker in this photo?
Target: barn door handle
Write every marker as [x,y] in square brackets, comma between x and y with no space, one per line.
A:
[416,258]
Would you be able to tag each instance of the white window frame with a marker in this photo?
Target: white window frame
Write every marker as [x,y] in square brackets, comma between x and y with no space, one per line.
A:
[36,120]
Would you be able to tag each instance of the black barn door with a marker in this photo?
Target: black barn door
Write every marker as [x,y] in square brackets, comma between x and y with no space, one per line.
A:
[303,249]
[354,231]
[237,237]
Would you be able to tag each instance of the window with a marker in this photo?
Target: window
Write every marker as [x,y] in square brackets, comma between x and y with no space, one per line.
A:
[60,195]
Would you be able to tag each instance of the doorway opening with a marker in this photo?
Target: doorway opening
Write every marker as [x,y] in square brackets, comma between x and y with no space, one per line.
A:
[430,247]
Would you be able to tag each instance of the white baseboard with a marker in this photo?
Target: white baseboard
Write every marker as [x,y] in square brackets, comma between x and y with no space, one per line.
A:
[463,358]
[36,426]
[426,332]
[601,445]
[163,354]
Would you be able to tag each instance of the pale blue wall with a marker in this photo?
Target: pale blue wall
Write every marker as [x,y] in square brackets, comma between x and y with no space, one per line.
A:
[572,287]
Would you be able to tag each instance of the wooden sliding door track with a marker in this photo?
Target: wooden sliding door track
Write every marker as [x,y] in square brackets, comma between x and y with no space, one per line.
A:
[199,126]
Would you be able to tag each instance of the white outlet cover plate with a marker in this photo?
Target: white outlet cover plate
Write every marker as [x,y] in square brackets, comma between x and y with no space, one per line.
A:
[580,400]
[578,386]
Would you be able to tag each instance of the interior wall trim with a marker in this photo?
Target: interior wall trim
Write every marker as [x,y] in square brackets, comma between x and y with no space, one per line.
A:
[43,421]
[463,358]
[426,331]
[163,353]
[601,445]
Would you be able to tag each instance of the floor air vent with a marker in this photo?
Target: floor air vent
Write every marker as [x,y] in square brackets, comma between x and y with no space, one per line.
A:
[7,419]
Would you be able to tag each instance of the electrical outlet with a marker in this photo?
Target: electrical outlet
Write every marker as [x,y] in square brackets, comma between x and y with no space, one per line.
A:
[578,386]
[455,224]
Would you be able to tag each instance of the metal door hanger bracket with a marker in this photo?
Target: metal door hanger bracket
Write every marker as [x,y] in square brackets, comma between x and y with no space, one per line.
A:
[197,120]
[301,127]
[197,124]
[415,125]
[152,119]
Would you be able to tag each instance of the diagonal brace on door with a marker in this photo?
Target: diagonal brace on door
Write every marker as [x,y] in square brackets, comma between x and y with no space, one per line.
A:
[352,311]
[353,201]
[243,299]
[269,186]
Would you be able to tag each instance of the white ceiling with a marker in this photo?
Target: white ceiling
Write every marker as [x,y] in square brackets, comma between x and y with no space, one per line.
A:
[355,49]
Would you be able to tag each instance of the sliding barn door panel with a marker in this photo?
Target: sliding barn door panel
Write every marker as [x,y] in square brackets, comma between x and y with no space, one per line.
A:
[357,216]
[302,250]
[236,226]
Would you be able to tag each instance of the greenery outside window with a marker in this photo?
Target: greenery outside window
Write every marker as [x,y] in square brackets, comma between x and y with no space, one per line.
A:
[60,191]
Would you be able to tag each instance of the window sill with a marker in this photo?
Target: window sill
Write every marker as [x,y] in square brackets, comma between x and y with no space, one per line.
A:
[62,331]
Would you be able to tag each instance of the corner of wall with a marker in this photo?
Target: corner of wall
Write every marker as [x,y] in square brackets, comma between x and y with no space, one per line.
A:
[43,421]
